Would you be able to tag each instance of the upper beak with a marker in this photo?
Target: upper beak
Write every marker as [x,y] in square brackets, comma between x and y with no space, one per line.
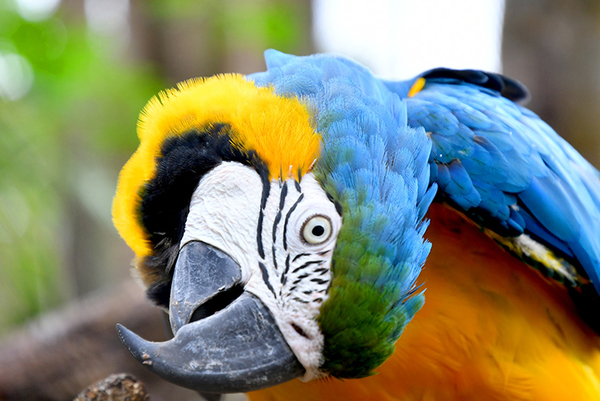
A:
[226,340]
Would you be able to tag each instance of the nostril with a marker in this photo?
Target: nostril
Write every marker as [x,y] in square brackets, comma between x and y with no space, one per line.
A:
[219,301]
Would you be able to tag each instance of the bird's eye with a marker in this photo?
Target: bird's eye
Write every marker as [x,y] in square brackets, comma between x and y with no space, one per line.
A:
[316,230]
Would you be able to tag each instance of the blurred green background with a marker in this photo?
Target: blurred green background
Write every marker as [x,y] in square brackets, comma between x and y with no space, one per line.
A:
[74,75]
[73,78]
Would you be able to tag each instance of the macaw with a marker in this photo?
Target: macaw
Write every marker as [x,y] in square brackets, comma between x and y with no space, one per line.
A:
[428,239]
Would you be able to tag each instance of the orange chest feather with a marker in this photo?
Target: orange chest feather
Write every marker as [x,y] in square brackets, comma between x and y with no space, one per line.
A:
[492,328]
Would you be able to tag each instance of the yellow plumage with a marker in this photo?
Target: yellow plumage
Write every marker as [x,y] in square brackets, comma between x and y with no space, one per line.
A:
[257,117]
[416,87]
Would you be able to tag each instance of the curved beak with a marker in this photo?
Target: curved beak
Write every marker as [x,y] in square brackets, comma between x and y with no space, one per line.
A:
[226,340]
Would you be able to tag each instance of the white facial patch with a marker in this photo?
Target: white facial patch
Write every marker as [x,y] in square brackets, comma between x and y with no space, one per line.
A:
[283,249]
[224,210]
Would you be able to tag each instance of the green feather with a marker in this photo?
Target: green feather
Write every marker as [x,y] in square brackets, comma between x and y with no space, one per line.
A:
[361,337]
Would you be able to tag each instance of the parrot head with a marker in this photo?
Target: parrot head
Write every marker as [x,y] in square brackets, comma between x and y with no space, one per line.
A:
[279,219]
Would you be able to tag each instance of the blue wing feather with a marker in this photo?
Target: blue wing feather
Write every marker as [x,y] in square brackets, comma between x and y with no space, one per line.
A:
[528,179]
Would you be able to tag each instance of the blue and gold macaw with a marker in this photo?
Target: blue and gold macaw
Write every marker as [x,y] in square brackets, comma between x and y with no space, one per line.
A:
[422,240]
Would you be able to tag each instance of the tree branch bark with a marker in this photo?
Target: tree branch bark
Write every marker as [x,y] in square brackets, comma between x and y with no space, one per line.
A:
[61,353]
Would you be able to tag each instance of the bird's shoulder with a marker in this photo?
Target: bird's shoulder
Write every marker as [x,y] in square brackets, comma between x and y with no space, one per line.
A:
[509,171]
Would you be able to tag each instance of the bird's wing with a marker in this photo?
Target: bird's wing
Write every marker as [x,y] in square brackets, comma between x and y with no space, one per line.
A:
[507,170]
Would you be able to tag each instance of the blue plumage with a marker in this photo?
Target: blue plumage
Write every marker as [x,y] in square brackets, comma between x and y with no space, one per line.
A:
[528,178]
[386,155]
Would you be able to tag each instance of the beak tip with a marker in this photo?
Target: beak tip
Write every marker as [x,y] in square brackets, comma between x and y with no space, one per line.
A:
[125,335]
[135,344]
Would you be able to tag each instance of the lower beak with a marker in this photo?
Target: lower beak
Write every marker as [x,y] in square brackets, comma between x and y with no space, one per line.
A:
[226,340]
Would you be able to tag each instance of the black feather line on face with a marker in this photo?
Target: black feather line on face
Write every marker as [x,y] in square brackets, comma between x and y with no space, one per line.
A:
[184,160]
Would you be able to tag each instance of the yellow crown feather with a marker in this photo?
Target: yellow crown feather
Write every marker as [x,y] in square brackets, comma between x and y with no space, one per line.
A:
[278,129]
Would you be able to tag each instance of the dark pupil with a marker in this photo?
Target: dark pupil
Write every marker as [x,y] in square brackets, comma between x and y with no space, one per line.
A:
[317,231]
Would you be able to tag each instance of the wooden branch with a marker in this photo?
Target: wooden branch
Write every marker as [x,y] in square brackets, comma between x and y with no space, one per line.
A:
[61,353]
[121,387]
